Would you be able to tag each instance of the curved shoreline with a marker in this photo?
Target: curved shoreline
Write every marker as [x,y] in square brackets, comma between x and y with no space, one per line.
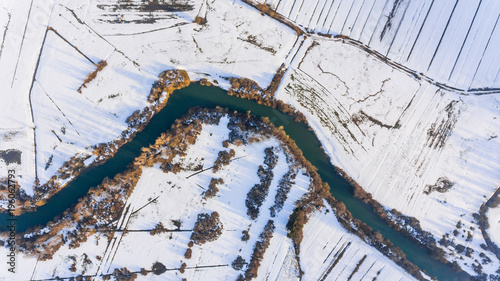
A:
[311,146]
[483,222]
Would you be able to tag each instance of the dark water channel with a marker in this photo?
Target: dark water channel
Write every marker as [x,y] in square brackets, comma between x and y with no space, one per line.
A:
[210,97]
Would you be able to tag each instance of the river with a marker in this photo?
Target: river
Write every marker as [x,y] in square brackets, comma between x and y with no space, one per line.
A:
[197,95]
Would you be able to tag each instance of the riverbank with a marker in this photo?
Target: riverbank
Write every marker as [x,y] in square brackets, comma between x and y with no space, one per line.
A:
[92,214]
[168,81]
[197,95]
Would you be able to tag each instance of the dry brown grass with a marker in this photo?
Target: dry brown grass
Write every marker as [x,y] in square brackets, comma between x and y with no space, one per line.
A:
[92,75]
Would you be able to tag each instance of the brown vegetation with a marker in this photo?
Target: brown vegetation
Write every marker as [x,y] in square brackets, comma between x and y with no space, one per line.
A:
[92,214]
[266,10]
[183,267]
[223,159]
[200,20]
[245,235]
[205,82]
[168,82]
[249,89]
[207,228]
[92,75]
[124,274]
[188,253]
[212,188]
[159,228]
[258,192]
[259,250]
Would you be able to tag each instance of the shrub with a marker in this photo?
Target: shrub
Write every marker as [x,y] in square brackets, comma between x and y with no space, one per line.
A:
[158,268]
[245,235]
[159,228]
[207,228]
[224,158]
[238,263]
[183,267]
[259,250]
[188,253]
[212,188]
[92,75]
[200,20]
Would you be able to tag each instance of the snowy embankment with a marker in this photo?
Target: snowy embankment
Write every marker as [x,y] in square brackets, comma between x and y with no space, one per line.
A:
[493,215]
[419,149]
[22,29]
[175,199]
[328,252]
[138,40]
[453,42]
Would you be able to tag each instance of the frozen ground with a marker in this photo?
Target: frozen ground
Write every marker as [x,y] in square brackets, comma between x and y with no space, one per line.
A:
[45,117]
[175,200]
[493,215]
[328,252]
[425,151]
[402,138]
[452,42]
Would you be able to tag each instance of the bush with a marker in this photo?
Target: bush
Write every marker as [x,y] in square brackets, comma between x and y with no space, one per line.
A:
[188,253]
[159,228]
[183,267]
[212,188]
[224,158]
[207,228]
[158,268]
[92,75]
[245,235]
[259,250]
[238,263]
[258,193]
[200,20]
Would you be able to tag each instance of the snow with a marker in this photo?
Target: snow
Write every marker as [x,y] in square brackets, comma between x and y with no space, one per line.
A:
[167,197]
[22,33]
[65,39]
[324,241]
[452,42]
[396,136]
[180,199]
[493,215]
[106,102]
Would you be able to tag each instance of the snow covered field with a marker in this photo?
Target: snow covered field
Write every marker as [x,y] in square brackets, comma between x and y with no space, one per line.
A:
[494,223]
[45,117]
[331,253]
[453,42]
[430,153]
[176,199]
[401,139]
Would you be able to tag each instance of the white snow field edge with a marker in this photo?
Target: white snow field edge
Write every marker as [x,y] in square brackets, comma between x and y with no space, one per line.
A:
[452,42]
[180,198]
[67,123]
[396,136]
